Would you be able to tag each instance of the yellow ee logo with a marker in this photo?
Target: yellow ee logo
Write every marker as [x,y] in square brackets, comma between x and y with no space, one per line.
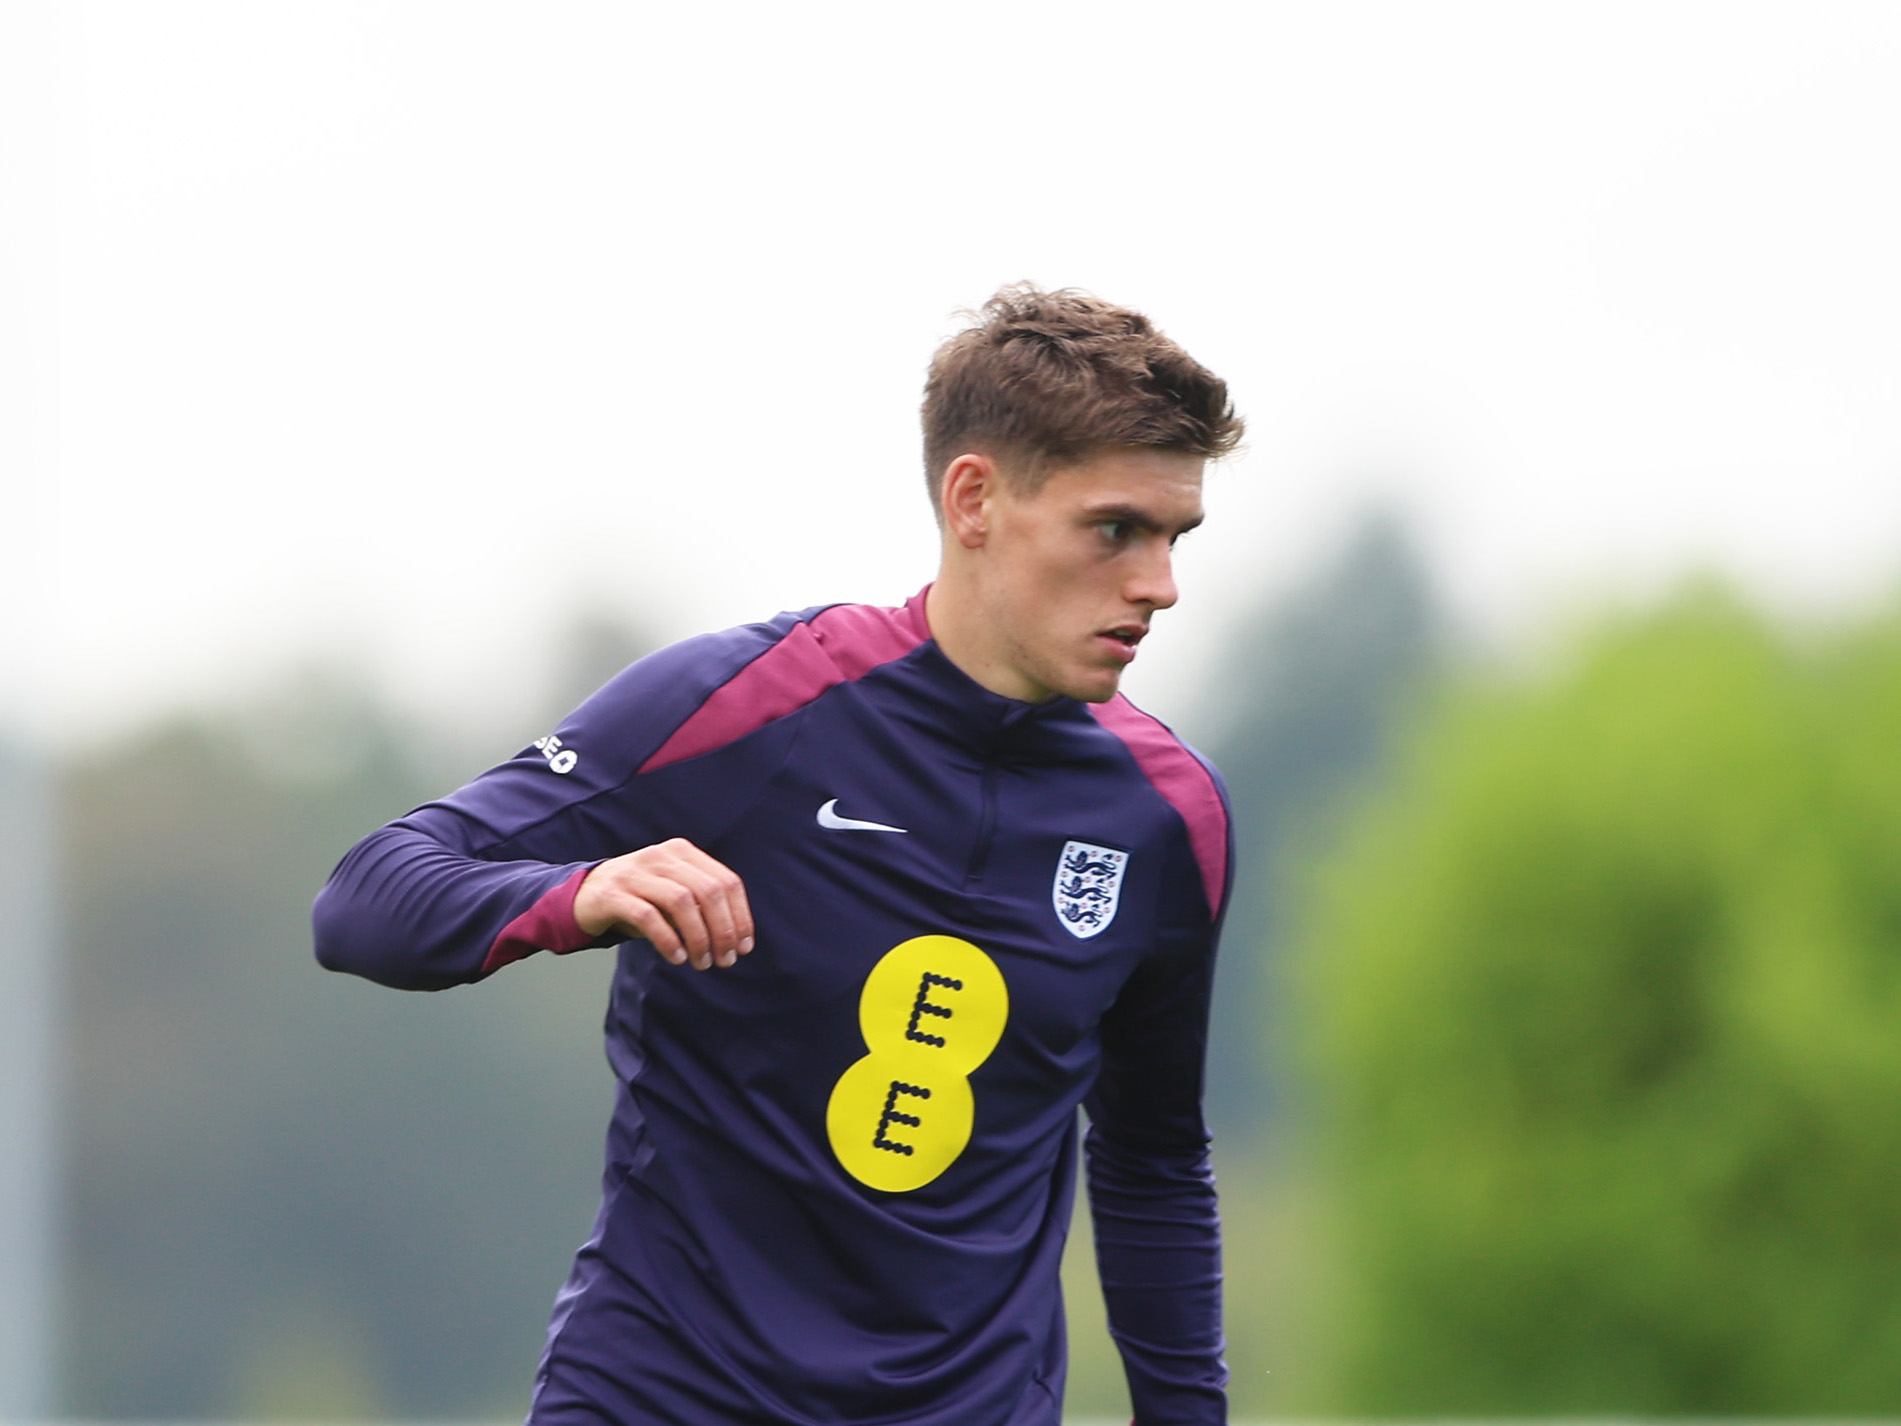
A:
[932,1010]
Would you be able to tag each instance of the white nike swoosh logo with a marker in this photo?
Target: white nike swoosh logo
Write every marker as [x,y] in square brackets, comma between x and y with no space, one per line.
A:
[832,822]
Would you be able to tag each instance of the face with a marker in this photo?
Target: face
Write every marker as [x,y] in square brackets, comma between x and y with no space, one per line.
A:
[1074,571]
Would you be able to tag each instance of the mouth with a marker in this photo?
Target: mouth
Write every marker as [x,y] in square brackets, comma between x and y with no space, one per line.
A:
[1122,639]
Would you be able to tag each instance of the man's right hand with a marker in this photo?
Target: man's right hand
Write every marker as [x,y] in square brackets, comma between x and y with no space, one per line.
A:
[674,895]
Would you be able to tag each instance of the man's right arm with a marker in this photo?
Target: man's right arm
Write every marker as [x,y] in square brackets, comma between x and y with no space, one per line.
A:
[412,906]
[413,911]
[556,851]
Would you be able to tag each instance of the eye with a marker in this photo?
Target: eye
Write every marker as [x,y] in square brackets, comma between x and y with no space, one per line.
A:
[1114,531]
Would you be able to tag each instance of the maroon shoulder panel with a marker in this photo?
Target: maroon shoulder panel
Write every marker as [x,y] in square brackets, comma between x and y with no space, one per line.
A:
[837,645]
[1182,781]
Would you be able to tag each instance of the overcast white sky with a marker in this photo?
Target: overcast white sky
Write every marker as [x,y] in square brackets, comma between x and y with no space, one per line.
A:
[395,333]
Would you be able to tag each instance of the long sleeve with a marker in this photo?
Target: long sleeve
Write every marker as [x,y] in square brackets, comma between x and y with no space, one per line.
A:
[488,875]
[412,907]
[1152,1189]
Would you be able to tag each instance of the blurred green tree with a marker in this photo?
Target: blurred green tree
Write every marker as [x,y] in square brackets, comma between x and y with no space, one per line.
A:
[1604,1004]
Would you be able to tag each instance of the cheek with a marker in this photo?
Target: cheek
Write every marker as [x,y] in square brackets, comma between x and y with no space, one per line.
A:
[1054,582]
[1042,620]
[1063,590]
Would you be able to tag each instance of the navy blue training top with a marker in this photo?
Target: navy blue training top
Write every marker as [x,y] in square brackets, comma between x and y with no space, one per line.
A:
[839,1173]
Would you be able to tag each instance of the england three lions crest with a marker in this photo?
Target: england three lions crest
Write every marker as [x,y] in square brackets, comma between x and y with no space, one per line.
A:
[1088,886]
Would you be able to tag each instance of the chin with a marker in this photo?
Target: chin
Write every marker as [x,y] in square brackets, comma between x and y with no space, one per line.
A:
[1096,686]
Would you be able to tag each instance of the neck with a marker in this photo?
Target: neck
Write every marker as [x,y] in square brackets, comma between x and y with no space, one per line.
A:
[967,634]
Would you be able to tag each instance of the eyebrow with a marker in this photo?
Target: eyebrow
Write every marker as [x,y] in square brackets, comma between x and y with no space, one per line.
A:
[1141,519]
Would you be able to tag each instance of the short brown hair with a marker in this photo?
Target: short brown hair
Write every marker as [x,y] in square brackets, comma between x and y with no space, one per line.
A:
[1044,379]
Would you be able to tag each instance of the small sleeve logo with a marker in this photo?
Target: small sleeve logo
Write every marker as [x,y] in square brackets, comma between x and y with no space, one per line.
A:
[1088,887]
[560,759]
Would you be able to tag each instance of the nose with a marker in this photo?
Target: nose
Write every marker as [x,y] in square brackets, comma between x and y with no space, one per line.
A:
[1152,580]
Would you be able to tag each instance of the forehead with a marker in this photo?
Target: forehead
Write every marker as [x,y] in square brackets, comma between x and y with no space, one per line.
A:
[1165,485]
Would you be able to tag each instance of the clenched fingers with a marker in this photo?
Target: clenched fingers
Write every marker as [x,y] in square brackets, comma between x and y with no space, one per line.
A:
[688,905]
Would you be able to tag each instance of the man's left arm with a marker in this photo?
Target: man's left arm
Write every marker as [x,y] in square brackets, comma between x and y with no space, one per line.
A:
[1151,1186]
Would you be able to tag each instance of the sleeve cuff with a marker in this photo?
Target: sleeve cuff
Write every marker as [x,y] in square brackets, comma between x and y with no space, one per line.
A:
[548,925]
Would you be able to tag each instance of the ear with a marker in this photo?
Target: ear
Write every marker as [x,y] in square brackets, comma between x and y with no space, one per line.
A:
[970,487]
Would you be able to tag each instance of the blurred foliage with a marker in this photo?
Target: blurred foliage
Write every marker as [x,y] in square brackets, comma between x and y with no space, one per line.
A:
[1310,693]
[1604,1001]
[293,1195]
[1599,987]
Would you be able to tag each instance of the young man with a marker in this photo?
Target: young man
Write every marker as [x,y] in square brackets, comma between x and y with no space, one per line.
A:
[951,886]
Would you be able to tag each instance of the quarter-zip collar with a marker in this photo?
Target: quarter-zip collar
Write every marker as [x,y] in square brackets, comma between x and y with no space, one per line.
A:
[985,722]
